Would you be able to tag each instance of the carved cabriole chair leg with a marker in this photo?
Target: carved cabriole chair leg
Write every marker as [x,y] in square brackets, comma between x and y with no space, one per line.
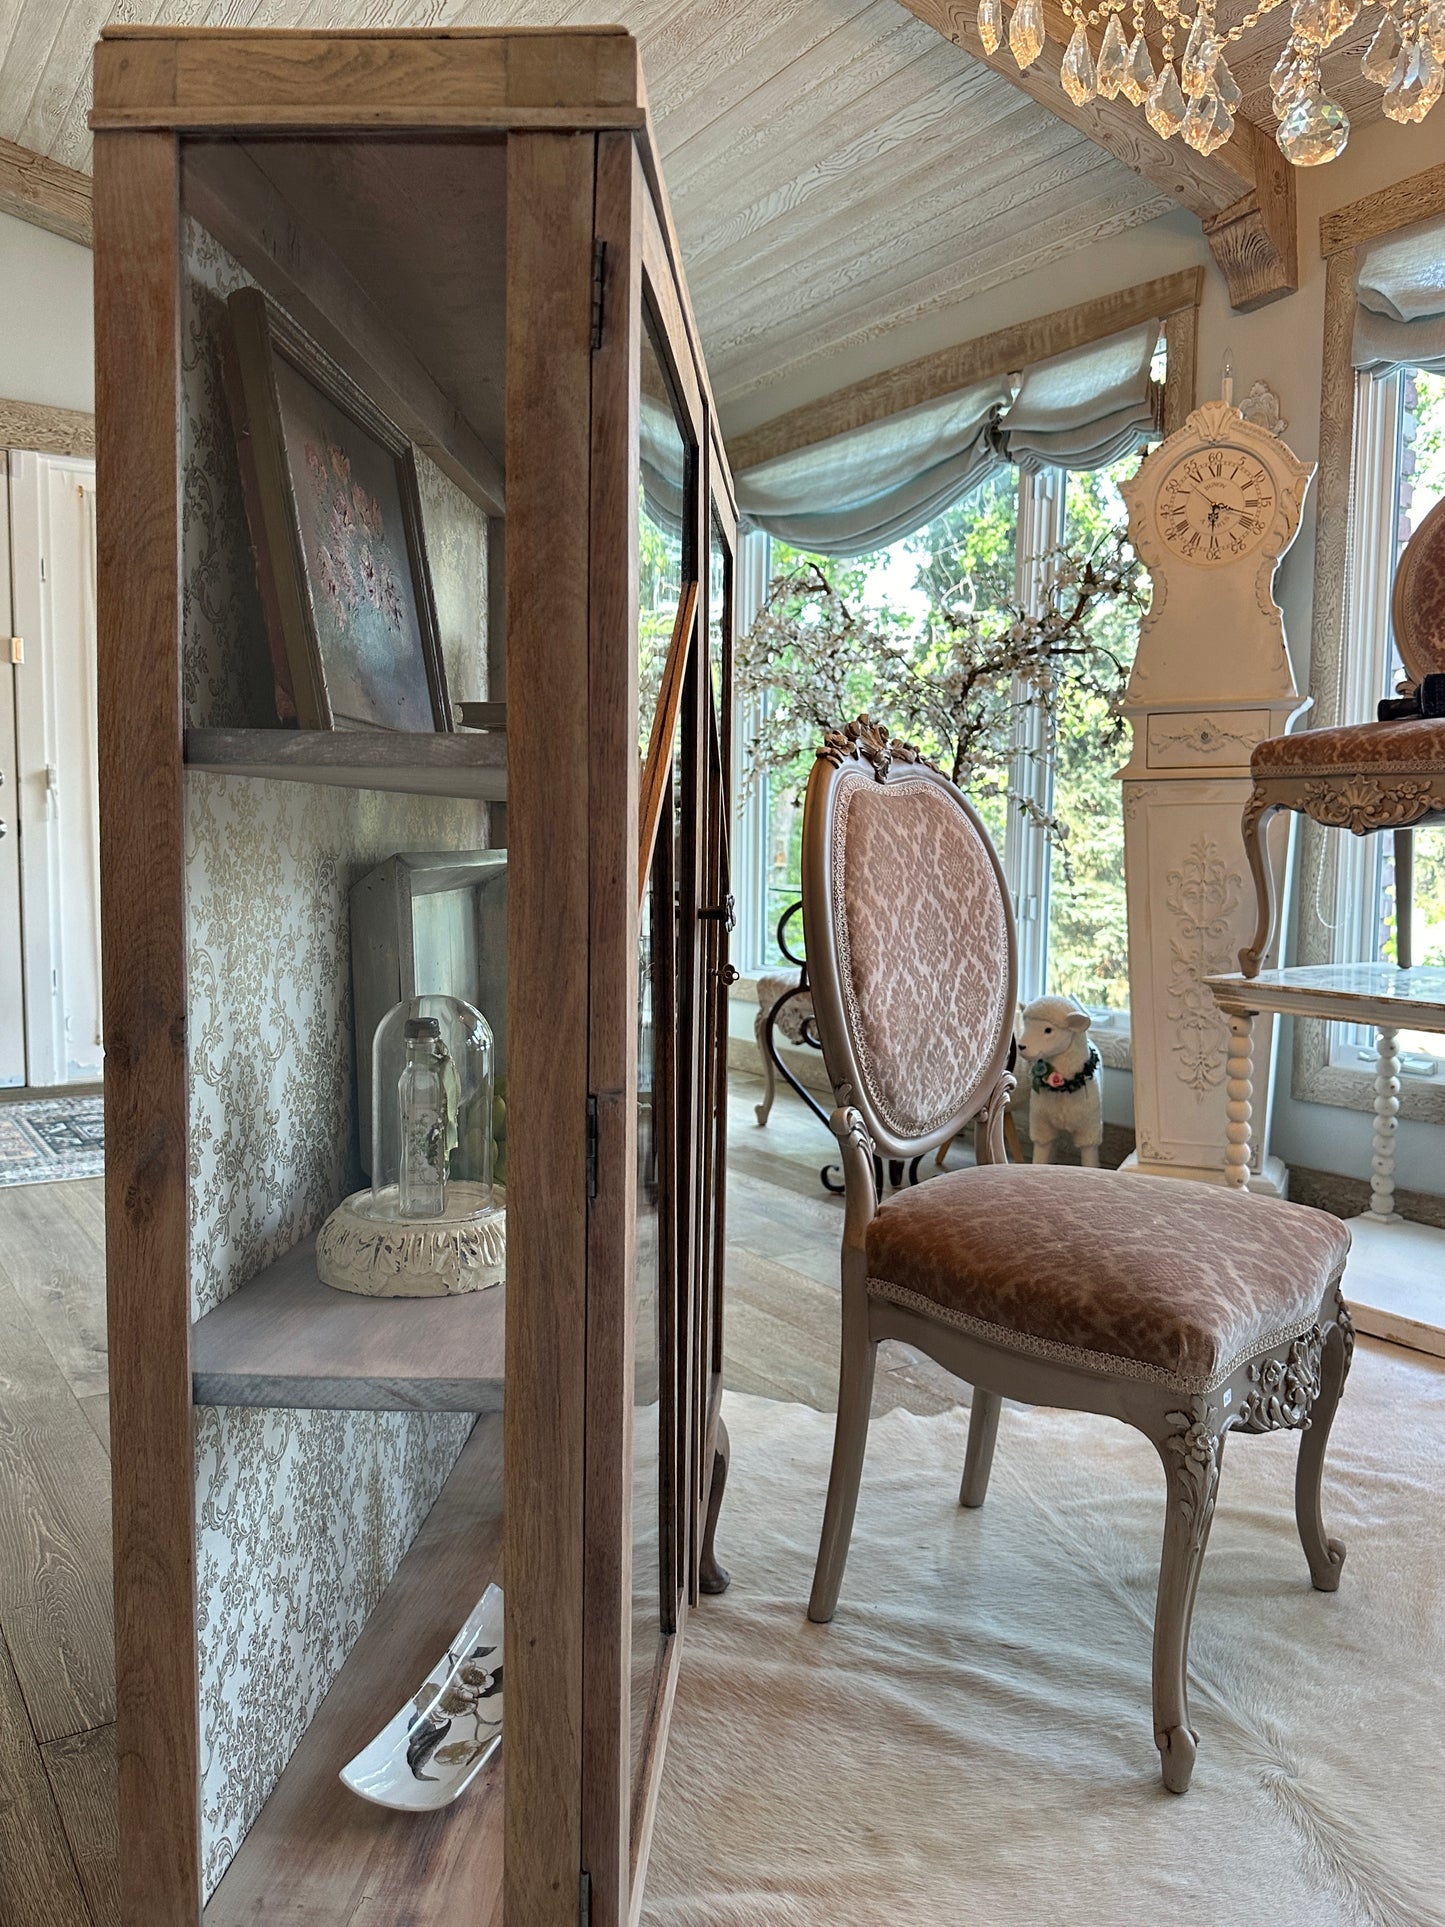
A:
[982,1434]
[1257,813]
[855,1399]
[770,1076]
[1326,1555]
[711,1577]
[1191,1444]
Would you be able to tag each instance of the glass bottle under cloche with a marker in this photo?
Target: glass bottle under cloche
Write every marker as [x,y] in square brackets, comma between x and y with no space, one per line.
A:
[433,1221]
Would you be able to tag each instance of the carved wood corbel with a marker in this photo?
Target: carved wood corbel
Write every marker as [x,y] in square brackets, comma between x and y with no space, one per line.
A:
[1255,244]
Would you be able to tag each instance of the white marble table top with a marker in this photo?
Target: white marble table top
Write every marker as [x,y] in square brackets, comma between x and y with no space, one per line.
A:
[1350,993]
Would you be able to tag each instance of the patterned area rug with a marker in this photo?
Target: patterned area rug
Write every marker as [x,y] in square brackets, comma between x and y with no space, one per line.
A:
[52,1137]
[970,1740]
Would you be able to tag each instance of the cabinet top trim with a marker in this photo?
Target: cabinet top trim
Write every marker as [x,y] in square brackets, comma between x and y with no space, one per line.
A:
[211,78]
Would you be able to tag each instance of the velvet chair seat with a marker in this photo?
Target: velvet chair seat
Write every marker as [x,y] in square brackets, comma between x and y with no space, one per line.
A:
[1416,744]
[1154,1278]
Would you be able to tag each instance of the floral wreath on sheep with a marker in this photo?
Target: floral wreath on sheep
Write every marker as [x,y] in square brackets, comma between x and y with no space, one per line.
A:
[1046,1078]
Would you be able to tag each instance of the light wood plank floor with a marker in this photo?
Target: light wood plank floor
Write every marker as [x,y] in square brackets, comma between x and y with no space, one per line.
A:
[57,1740]
[57,1691]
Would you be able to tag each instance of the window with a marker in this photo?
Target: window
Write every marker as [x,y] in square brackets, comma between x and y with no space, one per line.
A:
[1400,476]
[1069,902]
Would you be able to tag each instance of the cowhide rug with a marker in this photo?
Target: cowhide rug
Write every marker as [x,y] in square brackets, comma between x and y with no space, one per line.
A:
[970,1741]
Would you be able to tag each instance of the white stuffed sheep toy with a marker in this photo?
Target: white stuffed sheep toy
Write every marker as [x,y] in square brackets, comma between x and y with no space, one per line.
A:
[1064,1096]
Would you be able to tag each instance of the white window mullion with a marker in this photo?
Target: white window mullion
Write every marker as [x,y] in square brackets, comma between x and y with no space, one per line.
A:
[1365,665]
[1026,852]
[1368,647]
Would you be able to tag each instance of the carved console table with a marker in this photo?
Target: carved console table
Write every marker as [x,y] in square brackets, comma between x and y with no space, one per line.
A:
[1392,1000]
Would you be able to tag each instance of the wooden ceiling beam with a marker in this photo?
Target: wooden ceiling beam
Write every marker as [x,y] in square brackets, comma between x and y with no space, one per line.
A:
[1243,194]
[43,192]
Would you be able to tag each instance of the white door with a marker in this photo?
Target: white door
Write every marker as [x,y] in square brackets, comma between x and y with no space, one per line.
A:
[52,574]
[12,976]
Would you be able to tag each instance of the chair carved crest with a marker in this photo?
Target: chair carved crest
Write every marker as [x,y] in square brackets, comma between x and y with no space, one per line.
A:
[862,740]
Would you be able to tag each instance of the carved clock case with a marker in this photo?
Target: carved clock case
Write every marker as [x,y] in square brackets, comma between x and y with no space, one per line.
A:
[1211,511]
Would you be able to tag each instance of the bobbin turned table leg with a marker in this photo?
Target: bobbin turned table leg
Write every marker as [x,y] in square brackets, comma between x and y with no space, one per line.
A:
[1387,1120]
[1239,1089]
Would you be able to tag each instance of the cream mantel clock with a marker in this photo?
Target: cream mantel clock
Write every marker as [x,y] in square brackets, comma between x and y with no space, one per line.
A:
[1211,511]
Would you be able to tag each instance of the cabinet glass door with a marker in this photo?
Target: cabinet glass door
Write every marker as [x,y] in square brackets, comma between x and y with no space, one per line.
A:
[658,1004]
[666,1080]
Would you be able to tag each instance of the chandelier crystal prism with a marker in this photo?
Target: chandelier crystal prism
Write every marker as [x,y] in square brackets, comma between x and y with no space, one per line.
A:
[1174,63]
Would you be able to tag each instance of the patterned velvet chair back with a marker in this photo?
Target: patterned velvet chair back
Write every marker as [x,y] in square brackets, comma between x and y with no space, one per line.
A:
[910,936]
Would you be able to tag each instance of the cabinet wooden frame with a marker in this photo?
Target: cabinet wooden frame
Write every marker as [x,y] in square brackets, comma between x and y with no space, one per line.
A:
[138,514]
[580,169]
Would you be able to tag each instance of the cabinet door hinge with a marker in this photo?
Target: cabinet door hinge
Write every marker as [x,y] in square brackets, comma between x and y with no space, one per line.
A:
[591,1147]
[584,1900]
[599,272]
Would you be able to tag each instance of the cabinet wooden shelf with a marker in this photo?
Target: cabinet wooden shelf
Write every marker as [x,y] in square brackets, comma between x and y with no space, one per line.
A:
[470,764]
[286,1339]
[317,1853]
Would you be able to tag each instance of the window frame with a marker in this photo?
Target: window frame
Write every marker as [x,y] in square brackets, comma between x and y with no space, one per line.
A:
[1353,570]
[1176,298]
[1027,853]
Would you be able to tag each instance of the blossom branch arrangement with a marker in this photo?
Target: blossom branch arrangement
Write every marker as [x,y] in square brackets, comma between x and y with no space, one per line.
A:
[960,684]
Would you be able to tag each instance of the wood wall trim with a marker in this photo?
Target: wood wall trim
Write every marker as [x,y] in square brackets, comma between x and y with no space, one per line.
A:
[1243,193]
[210,78]
[1181,376]
[36,189]
[138,371]
[550,187]
[1399,205]
[931,377]
[53,431]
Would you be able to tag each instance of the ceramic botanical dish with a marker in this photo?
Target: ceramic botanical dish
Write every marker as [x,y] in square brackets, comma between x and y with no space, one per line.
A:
[440,1741]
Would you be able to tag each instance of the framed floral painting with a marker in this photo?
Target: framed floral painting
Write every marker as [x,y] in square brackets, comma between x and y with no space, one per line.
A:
[335,517]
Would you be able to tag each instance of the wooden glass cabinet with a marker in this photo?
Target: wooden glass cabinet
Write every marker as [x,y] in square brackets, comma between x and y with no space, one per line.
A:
[472,229]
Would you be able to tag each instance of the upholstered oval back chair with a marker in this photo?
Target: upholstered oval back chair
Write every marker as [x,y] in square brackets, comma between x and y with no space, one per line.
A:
[1184,1309]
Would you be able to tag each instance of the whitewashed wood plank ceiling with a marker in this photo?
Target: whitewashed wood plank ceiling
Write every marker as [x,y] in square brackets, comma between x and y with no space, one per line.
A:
[837,169]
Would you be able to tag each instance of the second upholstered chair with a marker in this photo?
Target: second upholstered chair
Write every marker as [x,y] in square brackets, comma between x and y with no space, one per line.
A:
[1185,1309]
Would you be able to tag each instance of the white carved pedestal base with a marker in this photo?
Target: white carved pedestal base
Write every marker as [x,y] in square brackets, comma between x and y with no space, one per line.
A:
[361,1249]
[1191,906]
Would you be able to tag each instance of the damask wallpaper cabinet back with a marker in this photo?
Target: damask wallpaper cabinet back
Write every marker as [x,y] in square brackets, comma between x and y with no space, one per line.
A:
[296,1546]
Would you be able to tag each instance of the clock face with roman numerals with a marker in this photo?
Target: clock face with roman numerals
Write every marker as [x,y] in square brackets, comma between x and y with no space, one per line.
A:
[1215,506]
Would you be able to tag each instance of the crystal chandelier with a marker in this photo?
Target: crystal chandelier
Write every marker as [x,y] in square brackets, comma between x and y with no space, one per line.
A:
[1195,95]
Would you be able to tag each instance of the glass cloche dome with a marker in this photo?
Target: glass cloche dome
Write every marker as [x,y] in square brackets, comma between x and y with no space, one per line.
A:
[432,1112]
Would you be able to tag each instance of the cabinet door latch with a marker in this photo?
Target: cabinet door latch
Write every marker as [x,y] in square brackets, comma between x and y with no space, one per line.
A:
[591,1147]
[599,275]
[584,1900]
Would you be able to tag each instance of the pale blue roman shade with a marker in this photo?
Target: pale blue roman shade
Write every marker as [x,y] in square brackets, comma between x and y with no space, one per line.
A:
[1086,408]
[878,483]
[890,478]
[1400,317]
